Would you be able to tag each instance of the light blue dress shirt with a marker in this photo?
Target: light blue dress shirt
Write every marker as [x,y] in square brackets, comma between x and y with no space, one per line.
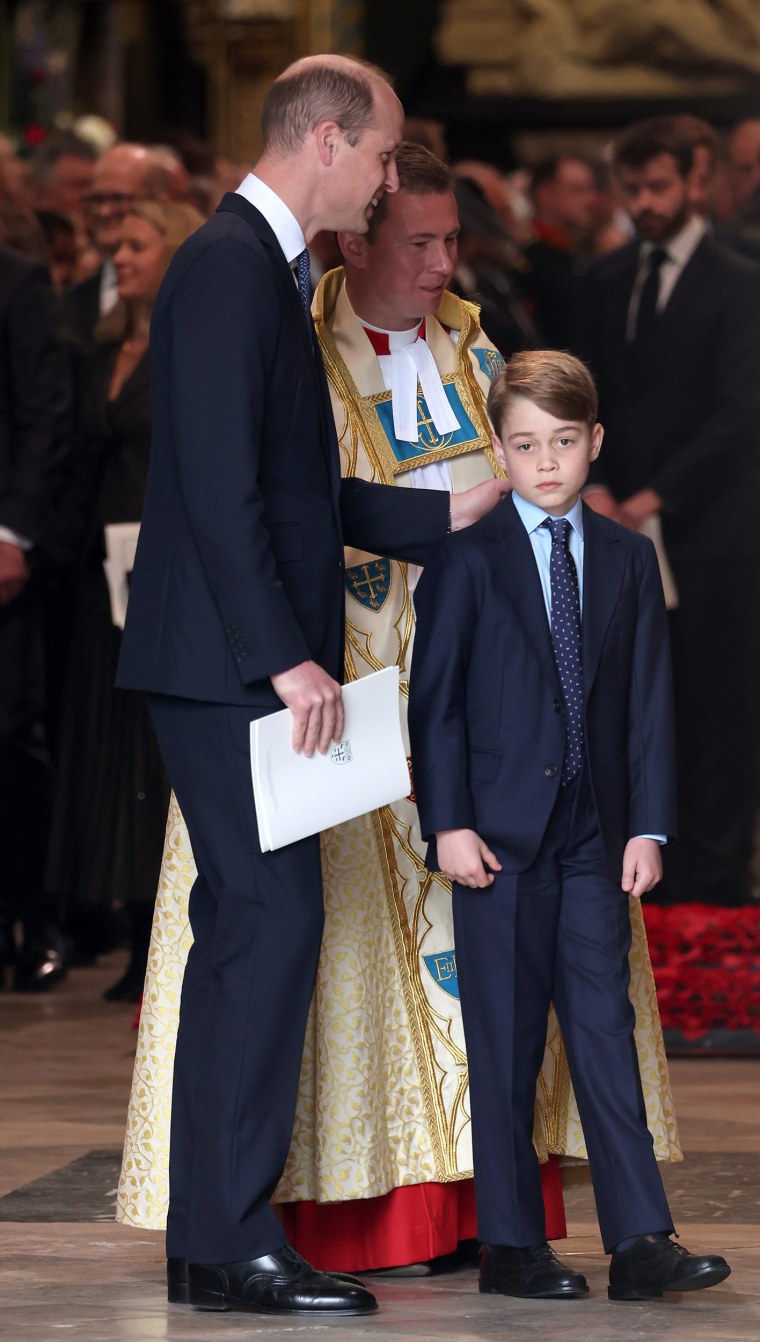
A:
[540,538]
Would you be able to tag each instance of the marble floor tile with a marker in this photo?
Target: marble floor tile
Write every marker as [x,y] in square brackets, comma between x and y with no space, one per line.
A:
[65,1064]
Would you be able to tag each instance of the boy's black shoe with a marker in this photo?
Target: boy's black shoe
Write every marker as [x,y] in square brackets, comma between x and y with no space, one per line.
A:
[531,1274]
[655,1263]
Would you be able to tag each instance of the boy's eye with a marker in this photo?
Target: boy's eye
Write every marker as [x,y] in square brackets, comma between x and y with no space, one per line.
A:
[524,447]
[565,442]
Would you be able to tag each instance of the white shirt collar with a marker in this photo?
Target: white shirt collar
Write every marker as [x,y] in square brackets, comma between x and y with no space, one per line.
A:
[281,220]
[682,247]
[532,517]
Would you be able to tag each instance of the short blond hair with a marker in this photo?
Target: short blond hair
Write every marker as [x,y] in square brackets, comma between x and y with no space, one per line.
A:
[553,380]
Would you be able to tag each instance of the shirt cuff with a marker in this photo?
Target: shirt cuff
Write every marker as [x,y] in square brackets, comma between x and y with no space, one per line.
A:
[13,538]
[658,838]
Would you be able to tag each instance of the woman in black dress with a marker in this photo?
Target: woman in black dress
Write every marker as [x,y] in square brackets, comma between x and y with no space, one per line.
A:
[112,792]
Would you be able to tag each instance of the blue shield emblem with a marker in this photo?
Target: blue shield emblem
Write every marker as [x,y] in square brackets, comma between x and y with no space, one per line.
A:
[443,969]
[369,583]
[491,362]
[430,441]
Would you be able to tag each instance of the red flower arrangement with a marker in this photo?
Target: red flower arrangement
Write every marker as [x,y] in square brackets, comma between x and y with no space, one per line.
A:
[706,962]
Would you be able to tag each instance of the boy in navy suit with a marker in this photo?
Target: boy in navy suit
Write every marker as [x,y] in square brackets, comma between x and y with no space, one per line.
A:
[541,727]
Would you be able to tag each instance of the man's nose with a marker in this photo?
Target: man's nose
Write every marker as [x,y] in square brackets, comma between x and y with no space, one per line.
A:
[441,261]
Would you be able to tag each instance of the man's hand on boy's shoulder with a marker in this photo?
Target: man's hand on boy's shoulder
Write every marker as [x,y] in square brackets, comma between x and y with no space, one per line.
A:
[472,504]
[463,856]
[642,866]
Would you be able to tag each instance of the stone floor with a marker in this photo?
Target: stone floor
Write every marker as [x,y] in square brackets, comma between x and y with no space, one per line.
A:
[66,1267]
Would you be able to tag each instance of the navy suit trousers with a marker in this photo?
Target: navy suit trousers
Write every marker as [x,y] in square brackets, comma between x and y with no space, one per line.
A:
[559,932]
[257,923]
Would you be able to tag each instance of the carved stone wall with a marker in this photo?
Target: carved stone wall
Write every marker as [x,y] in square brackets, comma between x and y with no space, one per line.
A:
[601,48]
[244,44]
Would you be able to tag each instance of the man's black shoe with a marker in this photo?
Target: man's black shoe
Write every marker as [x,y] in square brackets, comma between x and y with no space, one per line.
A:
[532,1274]
[178,1290]
[40,970]
[655,1263]
[177,1287]
[277,1283]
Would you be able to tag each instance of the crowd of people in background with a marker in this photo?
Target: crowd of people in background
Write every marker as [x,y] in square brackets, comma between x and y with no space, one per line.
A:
[88,225]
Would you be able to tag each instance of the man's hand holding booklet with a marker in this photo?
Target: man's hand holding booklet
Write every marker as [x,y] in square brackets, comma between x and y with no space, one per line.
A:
[297,795]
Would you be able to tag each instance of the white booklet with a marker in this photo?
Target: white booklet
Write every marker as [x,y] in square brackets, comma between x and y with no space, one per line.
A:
[296,796]
[121,544]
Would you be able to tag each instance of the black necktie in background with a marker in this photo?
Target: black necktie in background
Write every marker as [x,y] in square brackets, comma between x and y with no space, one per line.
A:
[646,316]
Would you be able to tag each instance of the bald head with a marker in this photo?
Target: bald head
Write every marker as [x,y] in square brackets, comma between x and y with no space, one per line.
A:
[318,89]
[124,174]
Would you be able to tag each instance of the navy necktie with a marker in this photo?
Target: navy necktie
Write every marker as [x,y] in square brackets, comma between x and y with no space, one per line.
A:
[302,275]
[566,640]
[646,316]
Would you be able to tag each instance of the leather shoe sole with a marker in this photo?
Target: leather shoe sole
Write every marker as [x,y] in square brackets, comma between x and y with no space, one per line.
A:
[559,1292]
[698,1280]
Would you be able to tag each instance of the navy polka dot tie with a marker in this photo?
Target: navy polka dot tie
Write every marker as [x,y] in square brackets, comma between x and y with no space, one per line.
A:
[566,639]
[304,287]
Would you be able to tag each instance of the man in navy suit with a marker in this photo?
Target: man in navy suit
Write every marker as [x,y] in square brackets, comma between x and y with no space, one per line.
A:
[672,336]
[541,732]
[236,608]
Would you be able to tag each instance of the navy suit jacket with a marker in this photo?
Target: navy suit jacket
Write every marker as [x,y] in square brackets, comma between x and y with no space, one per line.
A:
[683,418]
[485,712]
[239,567]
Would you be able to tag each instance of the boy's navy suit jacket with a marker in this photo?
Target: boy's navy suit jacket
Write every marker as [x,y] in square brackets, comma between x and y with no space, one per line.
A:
[485,710]
[239,568]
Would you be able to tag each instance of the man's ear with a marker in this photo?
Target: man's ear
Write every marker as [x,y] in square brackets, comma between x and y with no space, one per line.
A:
[354,248]
[327,136]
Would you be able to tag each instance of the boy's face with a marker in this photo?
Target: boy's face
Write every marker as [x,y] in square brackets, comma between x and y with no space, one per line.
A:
[546,458]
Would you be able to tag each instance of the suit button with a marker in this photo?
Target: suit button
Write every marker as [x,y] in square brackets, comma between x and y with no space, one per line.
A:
[551,771]
[557,705]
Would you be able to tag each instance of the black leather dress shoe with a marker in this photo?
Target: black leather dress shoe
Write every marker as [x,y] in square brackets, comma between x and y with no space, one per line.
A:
[178,1289]
[39,970]
[277,1283]
[655,1263]
[532,1274]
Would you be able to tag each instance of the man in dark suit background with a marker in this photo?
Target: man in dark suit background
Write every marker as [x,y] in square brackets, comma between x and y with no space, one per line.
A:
[123,174]
[672,334]
[35,445]
[236,608]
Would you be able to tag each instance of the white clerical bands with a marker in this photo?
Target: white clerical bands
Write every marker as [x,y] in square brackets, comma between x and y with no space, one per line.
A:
[412,362]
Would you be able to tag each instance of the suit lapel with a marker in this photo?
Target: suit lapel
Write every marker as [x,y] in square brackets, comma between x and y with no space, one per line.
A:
[603,571]
[514,565]
[303,325]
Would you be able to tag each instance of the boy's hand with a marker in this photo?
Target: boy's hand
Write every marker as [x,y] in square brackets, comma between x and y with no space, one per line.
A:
[642,866]
[461,854]
[474,503]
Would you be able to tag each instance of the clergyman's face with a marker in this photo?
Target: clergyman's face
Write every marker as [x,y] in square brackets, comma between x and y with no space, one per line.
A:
[657,197]
[411,258]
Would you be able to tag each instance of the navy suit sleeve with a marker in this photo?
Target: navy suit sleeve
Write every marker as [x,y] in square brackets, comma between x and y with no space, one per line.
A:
[446,610]
[651,750]
[223,320]
[38,391]
[385,520]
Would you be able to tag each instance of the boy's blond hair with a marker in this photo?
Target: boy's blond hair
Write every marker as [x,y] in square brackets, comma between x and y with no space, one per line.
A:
[555,381]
